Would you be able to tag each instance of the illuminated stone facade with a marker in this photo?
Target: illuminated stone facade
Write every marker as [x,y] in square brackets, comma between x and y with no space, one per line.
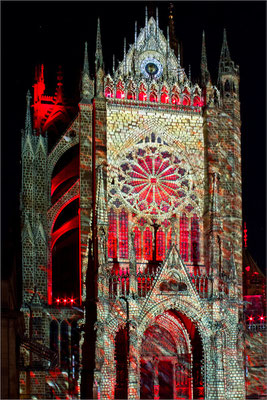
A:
[144,188]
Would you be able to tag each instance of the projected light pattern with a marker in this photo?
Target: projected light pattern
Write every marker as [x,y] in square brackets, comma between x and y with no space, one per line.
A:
[153,182]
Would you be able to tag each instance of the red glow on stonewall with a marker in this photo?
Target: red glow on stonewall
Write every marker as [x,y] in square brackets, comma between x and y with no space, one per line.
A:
[245,235]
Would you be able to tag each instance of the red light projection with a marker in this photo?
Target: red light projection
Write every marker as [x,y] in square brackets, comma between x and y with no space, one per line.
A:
[245,235]
[66,173]
[72,224]
[65,301]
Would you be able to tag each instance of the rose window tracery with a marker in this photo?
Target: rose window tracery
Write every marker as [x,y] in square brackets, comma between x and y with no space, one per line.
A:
[152,181]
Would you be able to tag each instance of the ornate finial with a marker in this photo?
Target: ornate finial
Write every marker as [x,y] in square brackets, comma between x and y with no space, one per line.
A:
[98,53]
[28,124]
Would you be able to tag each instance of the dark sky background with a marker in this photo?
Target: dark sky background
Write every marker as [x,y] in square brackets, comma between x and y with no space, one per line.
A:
[53,33]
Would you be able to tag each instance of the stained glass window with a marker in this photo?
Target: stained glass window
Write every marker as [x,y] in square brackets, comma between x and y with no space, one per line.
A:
[148,244]
[160,245]
[112,234]
[184,233]
[123,234]
[137,243]
[194,239]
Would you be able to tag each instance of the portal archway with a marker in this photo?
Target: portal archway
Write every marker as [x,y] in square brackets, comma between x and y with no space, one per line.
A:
[170,362]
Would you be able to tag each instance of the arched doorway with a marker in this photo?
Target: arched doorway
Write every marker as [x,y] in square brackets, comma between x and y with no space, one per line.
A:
[166,360]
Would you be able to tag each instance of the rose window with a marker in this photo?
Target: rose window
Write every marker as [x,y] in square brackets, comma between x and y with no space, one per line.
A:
[153,182]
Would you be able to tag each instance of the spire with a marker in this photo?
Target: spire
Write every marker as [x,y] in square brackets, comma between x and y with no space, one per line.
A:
[124,58]
[173,38]
[225,53]
[135,35]
[180,70]
[98,52]
[87,89]
[146,26]
[157,23]
[168,40]
[85,61]
[113,65]
[28,124]
[226,65]
[205,75]
[189,73]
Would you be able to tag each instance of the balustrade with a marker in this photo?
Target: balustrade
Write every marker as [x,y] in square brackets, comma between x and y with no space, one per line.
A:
[119,283]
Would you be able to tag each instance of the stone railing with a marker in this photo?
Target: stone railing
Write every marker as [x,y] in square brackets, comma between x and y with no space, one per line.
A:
[119,283]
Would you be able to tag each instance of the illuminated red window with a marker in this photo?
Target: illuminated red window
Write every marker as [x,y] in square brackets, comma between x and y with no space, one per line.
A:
[184,233]
[186,101]
[164,98]
[137,243]
[197,101]
[123,234]
[142,96]
[112,234]
[195,239]
[119,94]
[160,245]
[130,96]
[148,242]
[175,99]
[108,92]
[153,97]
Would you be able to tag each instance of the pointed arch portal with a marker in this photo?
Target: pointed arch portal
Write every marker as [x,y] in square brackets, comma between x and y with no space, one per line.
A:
[170,364]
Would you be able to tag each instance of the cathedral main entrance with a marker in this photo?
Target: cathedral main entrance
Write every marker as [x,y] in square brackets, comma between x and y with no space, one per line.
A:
[166,360]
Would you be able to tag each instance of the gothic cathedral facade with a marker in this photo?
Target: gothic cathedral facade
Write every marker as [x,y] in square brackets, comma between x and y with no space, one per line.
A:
[132,231]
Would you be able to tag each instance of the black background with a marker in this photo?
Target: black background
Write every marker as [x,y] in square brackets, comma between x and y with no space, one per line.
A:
[53,33]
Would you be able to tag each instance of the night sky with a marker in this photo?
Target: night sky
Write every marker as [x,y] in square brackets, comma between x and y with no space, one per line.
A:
[53,33]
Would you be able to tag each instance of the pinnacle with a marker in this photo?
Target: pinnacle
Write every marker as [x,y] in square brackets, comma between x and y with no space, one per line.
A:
[86,63]
[28,125]
[98,53]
